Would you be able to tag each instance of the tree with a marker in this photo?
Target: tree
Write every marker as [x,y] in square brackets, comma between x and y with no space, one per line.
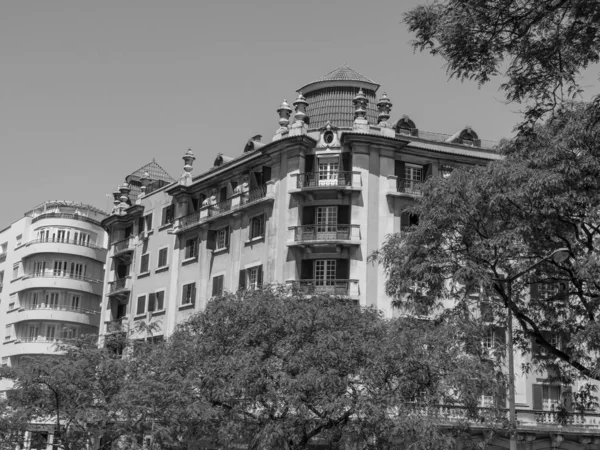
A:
[78,391]
[483,224]
[539,46]
[280,370]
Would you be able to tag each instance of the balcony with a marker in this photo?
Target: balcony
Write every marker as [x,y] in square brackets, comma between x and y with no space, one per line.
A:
[65,246]
[119,287]
[340,288]
[310,235]
[326,181]
[31,346]
[402,187]
[61,313]
[116,326]
[233,205]
[60,280]
[123,248]
[53,215]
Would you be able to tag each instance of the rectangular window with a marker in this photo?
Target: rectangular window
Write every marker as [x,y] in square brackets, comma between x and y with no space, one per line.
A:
[324,271]
[60,268]
[218,285]
[19,239]
[191,248]
[15,272]
[141,305]
[222,238]
[39,268]
[162,257]
[1,277]
[34,299]
[52,300]
[160,300]
[77,270]
[75,302]
[188,294]
[254,277]
[328,171]
[33,332]
[327,219]
[145,261]
[151,302]
[257,226]
[168,214]
[50,332]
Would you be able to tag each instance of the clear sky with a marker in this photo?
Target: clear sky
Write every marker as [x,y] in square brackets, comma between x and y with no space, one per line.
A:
[93,90]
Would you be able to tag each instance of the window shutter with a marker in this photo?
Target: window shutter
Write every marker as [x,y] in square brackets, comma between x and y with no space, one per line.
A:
[537,396]
[346,165]
[140,226]
[344,215]
[266,174]
[215,290]
[259,275]
[152,302]
[227,233]
[427,171]
[399,168]
[193,293]
[141,305]
[223,194]
[309,163]
[342,271]
[404,220]
[242,279]
[306,269]
[211,240]
[308,215]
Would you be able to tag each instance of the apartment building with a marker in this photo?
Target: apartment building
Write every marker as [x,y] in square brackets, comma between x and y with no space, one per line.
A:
[51,275]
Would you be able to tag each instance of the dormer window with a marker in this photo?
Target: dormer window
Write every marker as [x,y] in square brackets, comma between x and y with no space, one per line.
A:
[328,137]
[404,130]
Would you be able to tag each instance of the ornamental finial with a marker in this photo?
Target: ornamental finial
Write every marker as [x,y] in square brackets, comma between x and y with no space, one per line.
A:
[186,176]
[384,106]
[284,112]
[360,105]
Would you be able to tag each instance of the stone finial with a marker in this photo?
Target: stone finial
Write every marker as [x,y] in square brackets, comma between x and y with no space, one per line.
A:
[360,105]
[300,104]
[384,106]
[145,180]
[284,112]
[124,190]
[186,176]
[116,194]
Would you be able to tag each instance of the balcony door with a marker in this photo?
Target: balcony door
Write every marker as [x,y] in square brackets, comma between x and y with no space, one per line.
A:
[327,219]
[413,176]
[328,171]
[325,271]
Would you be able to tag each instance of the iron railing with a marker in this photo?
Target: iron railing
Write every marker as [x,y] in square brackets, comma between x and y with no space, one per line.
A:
[253,195]
[117,285]
[328,287]
[44,339]
[52,215]
[323,232]
[122,245]
[413,187]
[219,208]
[326,178]
[31,307]
[190,219]
[64,241]
[114,326]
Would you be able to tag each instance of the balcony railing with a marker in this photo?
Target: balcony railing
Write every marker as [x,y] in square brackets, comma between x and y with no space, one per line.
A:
[230,205]
[413,187]
[51,274]
[64,241]
[570,418]
[44,339]
[325,179]
[325,232]
[44,306]
[327,287]
[52,215]
[119,284]
[122,245]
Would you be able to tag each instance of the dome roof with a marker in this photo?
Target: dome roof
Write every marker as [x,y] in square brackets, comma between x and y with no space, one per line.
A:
[341,75]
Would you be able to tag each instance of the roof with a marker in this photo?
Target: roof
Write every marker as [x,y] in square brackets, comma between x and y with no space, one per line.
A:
[155,171]
[342,74]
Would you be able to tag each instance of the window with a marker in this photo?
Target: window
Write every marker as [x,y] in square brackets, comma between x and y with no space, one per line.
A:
[52,300]
[34,299]
[148,222]
[5,358]
[162,257]
[60,269]
[141,305]
[39,268]
[324,271]
[218,285]
[1,278]
[486,401]
[50,332]
[19,239]
[487,313]
[327,219]
[75,302]
[546,397]
[168,214]
[191,248]
[156,301]
[188,295]
[222,238]
[15,271]
[257,226]
[77,270]
[488,340]
[413,176]
[145,261]
[254,277]
[328,171]
[446,171]
[33,332]
[68,333]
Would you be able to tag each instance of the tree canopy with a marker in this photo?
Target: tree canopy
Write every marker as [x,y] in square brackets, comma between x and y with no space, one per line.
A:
[482,225]
[540,47]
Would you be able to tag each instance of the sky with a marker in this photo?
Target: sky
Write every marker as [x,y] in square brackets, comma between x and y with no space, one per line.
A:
[93,90]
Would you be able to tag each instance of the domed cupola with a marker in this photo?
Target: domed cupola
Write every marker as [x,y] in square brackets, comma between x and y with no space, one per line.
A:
[330,98]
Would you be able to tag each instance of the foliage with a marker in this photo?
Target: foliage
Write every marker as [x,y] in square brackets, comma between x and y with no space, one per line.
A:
[483,224]
[280,371]
[539,46]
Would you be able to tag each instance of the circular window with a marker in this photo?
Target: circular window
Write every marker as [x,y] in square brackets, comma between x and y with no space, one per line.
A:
[328,137]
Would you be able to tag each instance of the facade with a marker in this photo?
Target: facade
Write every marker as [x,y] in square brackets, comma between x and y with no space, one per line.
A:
[51,274]
[306,210]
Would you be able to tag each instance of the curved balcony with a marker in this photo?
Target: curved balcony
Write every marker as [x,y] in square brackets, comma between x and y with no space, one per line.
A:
[326,234]
[63,246]
[60,281]
[336,287]
[43,312]
[53,215]
[309,182]
[30,346]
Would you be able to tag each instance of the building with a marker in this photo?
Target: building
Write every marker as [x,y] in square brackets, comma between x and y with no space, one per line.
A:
[51,274]
[305,209]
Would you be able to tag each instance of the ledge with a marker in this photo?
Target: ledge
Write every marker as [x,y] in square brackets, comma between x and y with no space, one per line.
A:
[165,226]
[188,306]
[185,262]
[255,240]
[161,269]
[220,250]
[9,341]
[158,313]
[142,275]
[139,317]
